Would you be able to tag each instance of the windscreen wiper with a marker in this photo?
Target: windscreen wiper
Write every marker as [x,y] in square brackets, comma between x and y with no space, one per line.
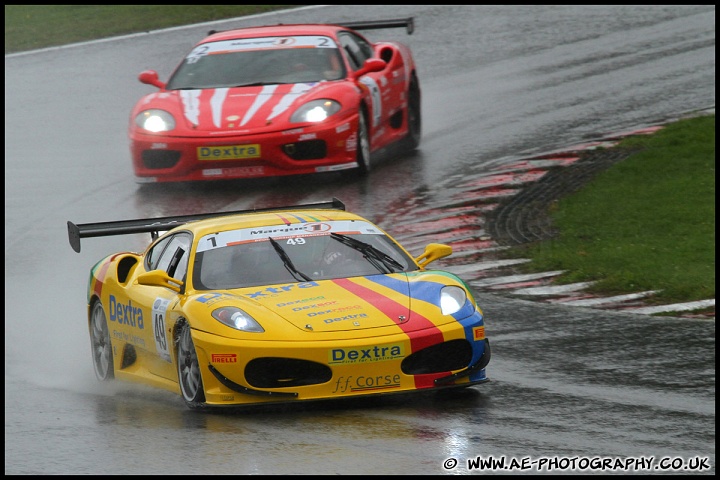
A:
[252,84]
[287,262]
[371,253]
[260,84]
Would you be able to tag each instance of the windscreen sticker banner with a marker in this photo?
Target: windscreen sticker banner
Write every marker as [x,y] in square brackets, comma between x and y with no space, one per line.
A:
[280,232]
[159,311]
[227,46]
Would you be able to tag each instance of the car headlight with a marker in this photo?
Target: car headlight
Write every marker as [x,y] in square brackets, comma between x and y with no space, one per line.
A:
[235,318]
[452,299]
[155,121]
[315,111]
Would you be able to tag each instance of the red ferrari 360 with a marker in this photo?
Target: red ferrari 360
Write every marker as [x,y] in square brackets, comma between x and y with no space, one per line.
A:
[278,100]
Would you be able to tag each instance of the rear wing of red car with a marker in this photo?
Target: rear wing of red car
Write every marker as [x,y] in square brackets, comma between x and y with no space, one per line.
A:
[163,224]
[408,23]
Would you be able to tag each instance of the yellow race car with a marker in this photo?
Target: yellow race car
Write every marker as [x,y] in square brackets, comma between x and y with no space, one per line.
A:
[306,302]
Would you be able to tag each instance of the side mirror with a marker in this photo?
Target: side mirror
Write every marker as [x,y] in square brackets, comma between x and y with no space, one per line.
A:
[159,278]
[150,77]
[433,251]
[371,65]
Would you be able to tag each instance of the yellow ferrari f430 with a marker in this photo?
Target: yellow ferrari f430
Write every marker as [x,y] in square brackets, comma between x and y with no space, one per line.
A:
[306,302]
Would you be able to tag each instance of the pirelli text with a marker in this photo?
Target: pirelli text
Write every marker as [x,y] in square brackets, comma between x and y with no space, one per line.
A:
[581,464]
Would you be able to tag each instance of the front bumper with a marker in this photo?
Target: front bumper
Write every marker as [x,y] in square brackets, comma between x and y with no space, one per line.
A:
[264,372]
[306,150]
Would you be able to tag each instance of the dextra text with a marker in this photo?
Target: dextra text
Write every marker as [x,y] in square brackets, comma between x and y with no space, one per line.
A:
[126,313]
[271,291]
[371,354]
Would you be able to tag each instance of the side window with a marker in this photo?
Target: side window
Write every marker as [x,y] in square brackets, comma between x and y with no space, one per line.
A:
[365,47]
[174,257]
[357,49]
[153,256]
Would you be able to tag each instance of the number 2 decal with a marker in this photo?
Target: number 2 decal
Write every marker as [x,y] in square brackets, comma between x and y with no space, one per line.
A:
[159,311]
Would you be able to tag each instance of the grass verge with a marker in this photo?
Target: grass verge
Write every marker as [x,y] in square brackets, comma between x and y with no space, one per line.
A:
[29,27]
[647,223]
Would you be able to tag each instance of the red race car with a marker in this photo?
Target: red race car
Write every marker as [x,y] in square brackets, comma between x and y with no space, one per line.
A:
[278,100]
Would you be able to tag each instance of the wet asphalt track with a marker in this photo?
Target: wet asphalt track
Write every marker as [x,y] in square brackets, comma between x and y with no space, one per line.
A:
[567,383]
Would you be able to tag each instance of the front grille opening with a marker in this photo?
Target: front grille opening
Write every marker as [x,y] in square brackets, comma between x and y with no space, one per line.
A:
[274,372]
[444,357]
[157,159]
[307,150]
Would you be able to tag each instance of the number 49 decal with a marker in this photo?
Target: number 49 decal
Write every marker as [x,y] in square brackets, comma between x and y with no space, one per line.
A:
[160,333]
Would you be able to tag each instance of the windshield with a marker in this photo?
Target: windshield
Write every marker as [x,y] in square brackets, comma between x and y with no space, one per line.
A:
[233,260]
[259,61]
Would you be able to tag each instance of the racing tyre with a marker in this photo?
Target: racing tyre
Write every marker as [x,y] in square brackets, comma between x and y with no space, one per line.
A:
[363,144]
[414,117]
[189,378]
[100,344]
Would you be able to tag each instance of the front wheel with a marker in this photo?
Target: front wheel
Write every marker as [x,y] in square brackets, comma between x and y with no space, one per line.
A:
[363,144]
[100,344]
[414,117]
[189,378]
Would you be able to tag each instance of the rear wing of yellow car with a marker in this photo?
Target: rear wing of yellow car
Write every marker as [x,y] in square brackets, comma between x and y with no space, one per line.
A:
[163,224]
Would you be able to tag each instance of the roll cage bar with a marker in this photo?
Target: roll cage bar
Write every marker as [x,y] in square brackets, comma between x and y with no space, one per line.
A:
[161,224]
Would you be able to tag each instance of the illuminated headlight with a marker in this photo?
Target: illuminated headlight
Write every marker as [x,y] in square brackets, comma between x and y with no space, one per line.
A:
[235,318]
[315,111]
[452,299]
[155,120]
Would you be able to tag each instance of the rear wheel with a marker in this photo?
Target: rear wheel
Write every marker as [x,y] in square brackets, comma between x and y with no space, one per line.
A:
[363,144]
[191,386]
[100,343]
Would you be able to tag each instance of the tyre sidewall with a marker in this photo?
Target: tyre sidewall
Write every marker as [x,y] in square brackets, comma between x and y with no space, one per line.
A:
[192,399]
